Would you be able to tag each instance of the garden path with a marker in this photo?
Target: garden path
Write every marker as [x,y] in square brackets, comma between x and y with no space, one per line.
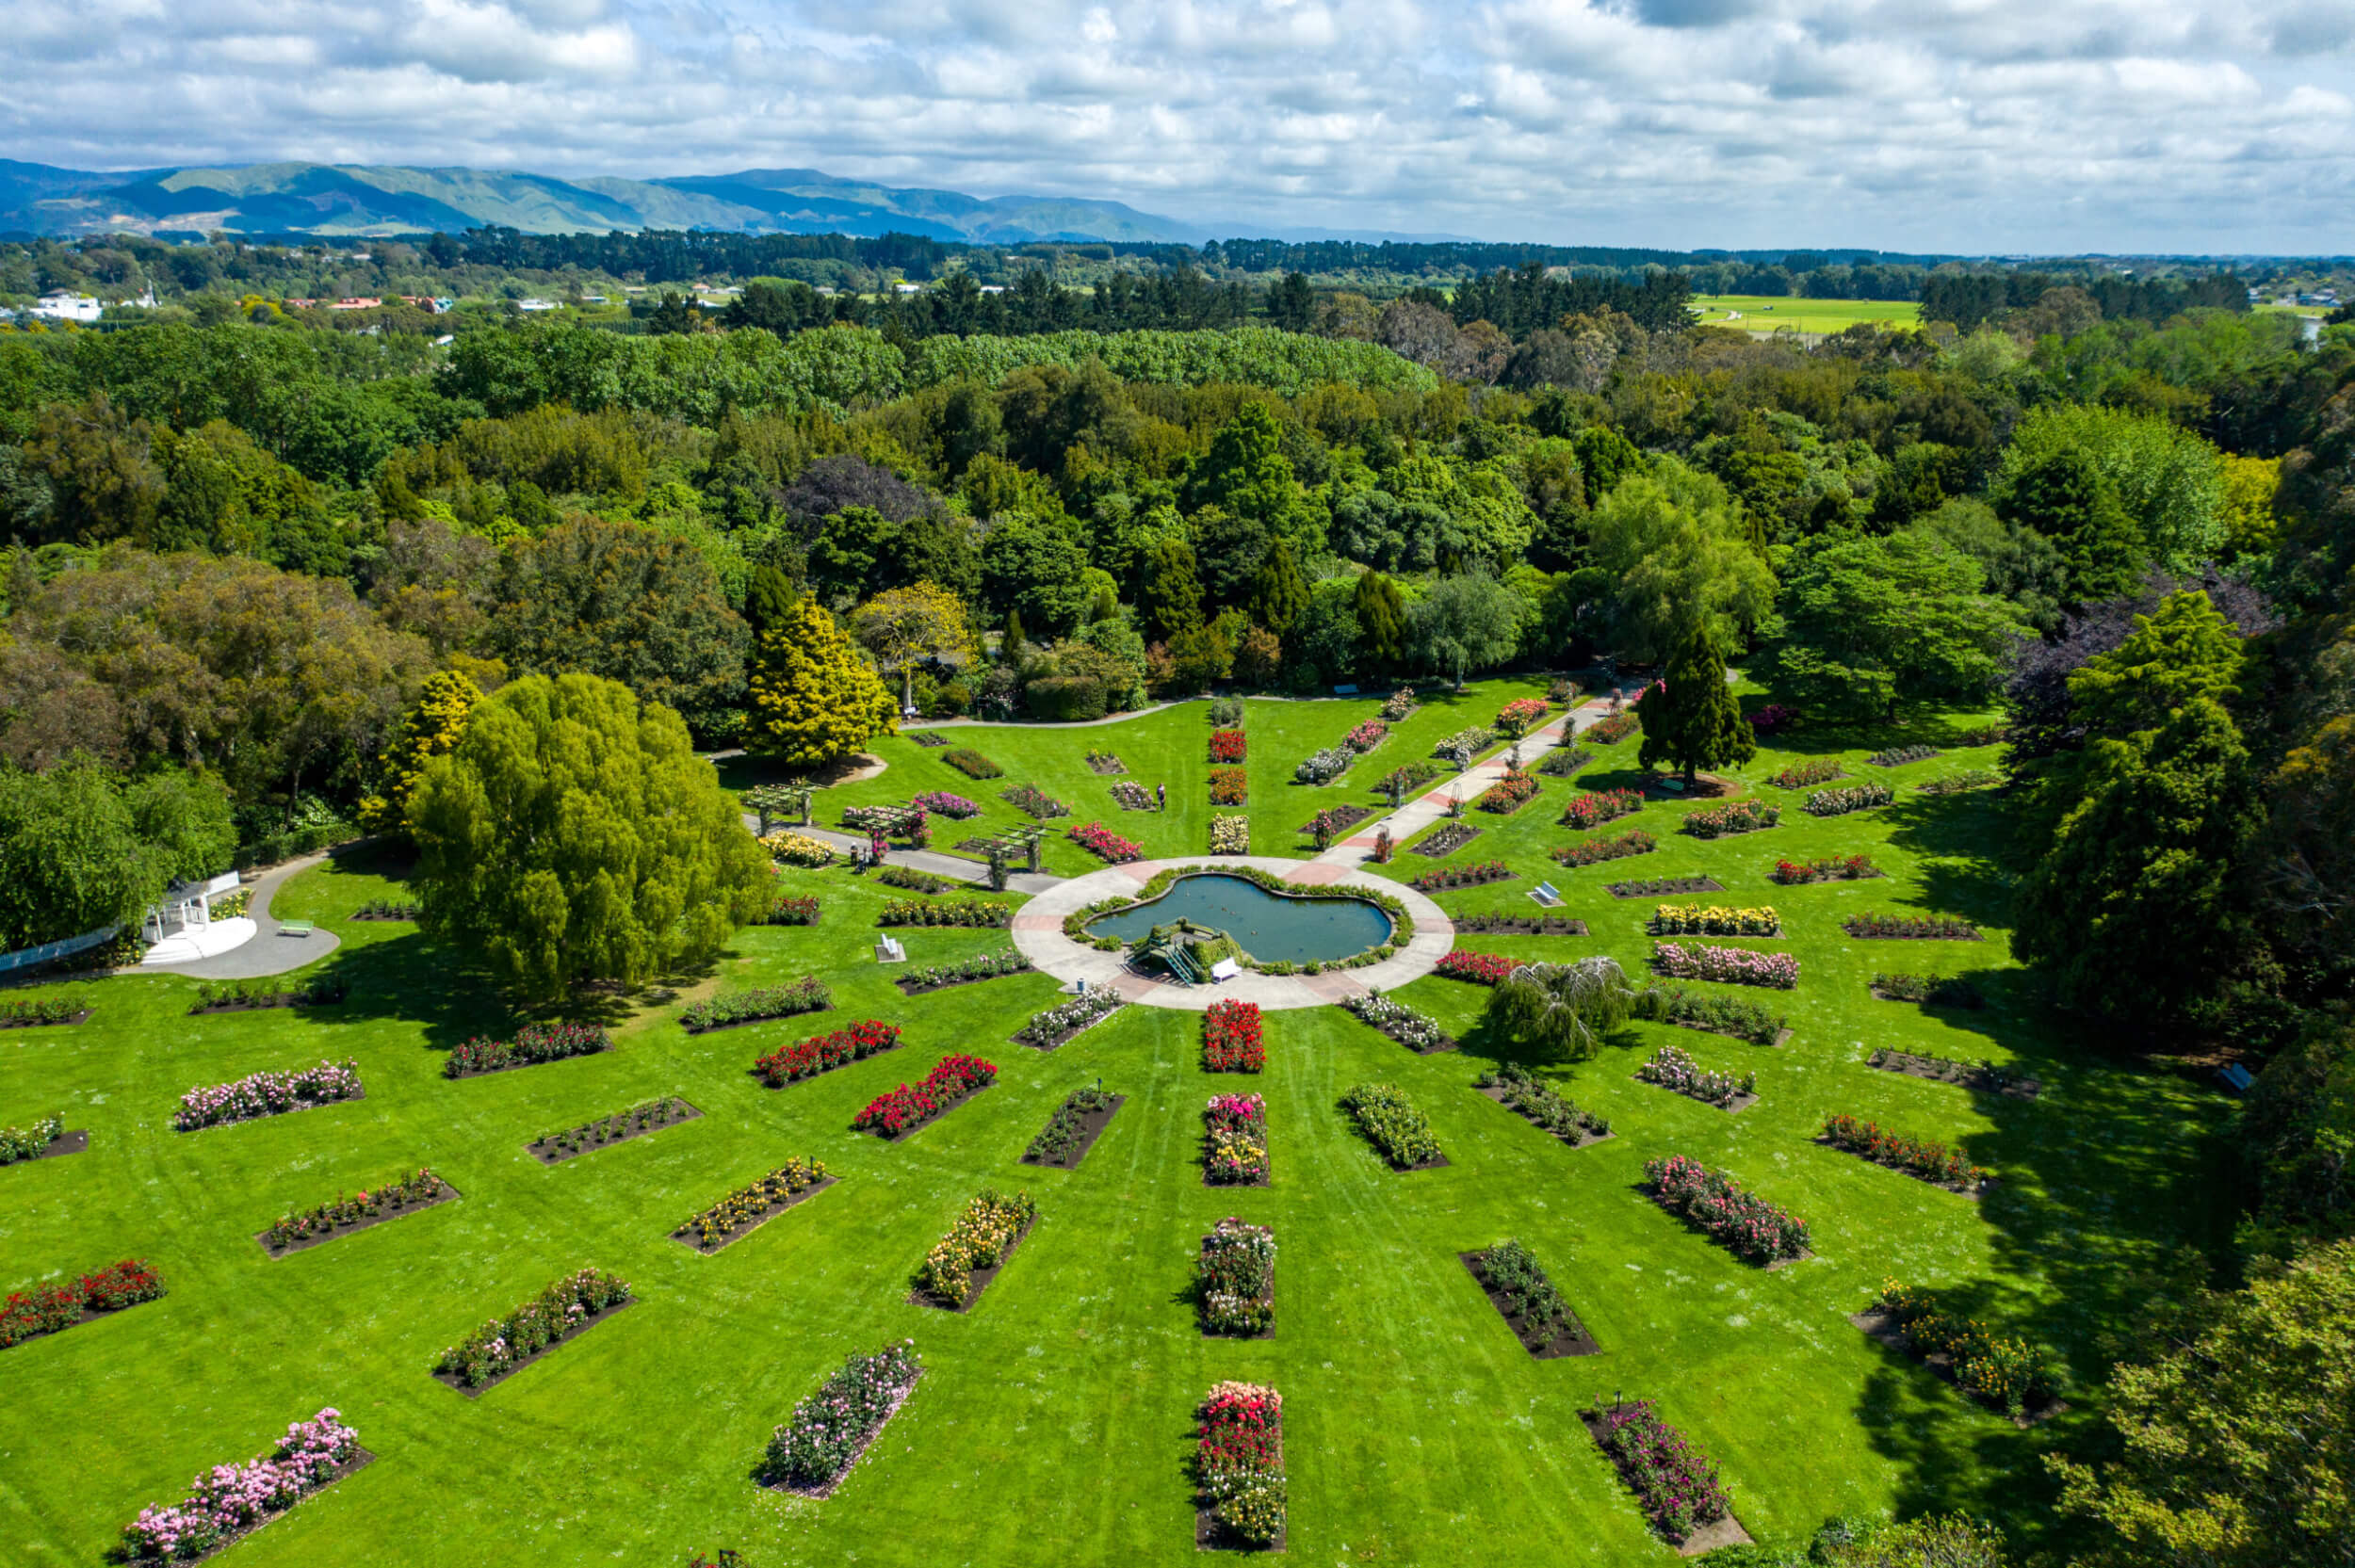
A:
[269,952]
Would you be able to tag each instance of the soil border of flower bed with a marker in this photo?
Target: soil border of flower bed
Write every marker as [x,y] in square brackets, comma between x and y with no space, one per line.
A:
[940,1115]
[519,1066]
[73,1140]
[1734,1107]
[1364,814]
[2019,1088]
[1714,887]
[1450,1041]
[1577,1340]
[562,1157]
[1651,1190]
[981,1278]
[476,1391]
[1726,1531]
[1092,1126]
[908,990]
[1586,1140]
[1883,1328]
[1417,847]
[447,1194]
[359,1460]
[684,1236]
[1987,1179]
[65,1023]
[819,1494]
[266,1004]
[747,1023]
[1502,925]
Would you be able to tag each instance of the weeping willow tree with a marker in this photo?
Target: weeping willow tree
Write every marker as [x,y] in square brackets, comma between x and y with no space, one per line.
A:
[1564,1008]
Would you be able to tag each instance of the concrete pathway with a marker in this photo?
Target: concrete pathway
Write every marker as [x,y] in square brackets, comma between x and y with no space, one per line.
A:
[270,952]
[1038,931]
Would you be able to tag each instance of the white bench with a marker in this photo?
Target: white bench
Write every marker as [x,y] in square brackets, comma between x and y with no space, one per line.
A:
[1546,894]
[889,951]
[1225,969]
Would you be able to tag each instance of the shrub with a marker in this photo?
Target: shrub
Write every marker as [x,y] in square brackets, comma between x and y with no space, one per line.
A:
[504,1343]
[1229,787]
[1399,703]
[1510,793]
[230,1499]
[1232,1038]
[375,908]
[1234,1146]
[1448,877]
[1915,926]
[1051,1028]
[1674,1482]
[1512,1272]
[914,881]
[1927,990]
[904,1109]
[1226,713]
[1730,1212]
[1828,869]
[1672,1067]
[1955,784]
[2001,1369]
[1228,746]
[1366,736]
[1726,1015]
[1239,1461]
[1900,755]
[1415,1030]
[1594,810]
[1230,835]
[211,996]
[830,1427]
[1714,920]
[1523,1091]
[806,994]
[340,1211]
[1234,1279]
[41,1010]
[942,803]
[1562,761]
[1391,1124]
[798,850]
[1521,715]
[1916,1156]
[1593,851]
[1106,844]
[1611,730]
[533,1044]
[1773,719]
[22,1143]
[1479,968]
[1128,795]
[974,912]
[48,1308]
[1690,960]
[786,910]
[1735,816]
[1323,767]
[1065,698]
[748,1205]
[1407,779]
[1060,1136]
[823,1053]
[1839,802]
[1033,801]
[971,763]
[1464,745]
[1801,774]
[983,1235]
[266,1094]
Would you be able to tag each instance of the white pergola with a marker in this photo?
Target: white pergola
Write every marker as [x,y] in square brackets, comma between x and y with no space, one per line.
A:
[186,904]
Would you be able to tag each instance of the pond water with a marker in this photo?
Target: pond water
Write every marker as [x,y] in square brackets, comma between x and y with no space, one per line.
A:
[1272,928]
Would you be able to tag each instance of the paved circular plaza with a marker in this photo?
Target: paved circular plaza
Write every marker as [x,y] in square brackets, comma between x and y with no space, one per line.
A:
[1038,931]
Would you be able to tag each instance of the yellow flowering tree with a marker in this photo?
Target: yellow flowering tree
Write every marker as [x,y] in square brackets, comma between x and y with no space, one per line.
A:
[429,729]
[812,697]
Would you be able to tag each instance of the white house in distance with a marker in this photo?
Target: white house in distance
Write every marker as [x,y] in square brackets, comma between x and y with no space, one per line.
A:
[62,306]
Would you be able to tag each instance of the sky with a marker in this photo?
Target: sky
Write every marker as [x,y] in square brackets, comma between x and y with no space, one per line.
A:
[1975,126]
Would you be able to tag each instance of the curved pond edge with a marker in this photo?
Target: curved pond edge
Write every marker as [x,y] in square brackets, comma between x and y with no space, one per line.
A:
[1401,923]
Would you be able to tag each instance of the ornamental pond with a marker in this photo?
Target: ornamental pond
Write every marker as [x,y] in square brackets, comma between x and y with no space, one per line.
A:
[1270,927]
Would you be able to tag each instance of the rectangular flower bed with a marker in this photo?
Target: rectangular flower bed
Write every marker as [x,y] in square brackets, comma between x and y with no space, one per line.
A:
[341,1215]
[1464,745]
[1985,1075]
[799,849]
[1033,801]
[1725,1210]
[953,1080]
[1800,775]
[1449,877]
[1519,925]
[505,1346]
[964,971]
[1660,886]
[2000,1371]
[1234,1281]
[1930,991]
[34,1012]
[1562,761]
[1910,928]
[1399,703]
[746,1209]
[1366,736]
[1419,1032]
[1230,835]
[976,913]
[971,763]
[1228,746]
[1673,1068]
[1962,783]
[232,1500]
[381,908]
[963,1263]
[1234,1142]
[1394,1126]
[1710,1013]
[1920,1157]
[1521,715]
[1407,779]
[940,802]
[1479,968]
[1128,795]
[1592,809]
[46,1139]
[1714,920]
[533,1044]
[1443,839]
[1104,764]
[1612,730]
[909,878]
[1516,1088]
[1525,1297]
[1074,1128]
[1735,816]
[1239,1468]
[1674,1483]
[823,1053]
[647,1116]
[1870,796]
[1693,961]
[806,994]
[928,738]
[50,1308]
[267,1094]
[1333,821]
[1826,868]
[785,909]
[1229,787]
[1594,851]
[1106,844]
[251,995]
[1900,755]
[1509,794]
[1232,1039]
[831,1429]
[1060,1024]
[1323,767]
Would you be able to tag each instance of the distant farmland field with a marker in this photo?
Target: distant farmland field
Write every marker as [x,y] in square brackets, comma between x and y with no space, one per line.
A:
[1760,313]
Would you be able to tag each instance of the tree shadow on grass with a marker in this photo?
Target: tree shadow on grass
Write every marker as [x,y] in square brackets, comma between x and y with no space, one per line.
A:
[1955,1457]
[1963,841]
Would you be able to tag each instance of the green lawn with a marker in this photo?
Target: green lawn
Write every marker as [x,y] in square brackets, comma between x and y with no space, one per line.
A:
[1763,313]
[1054,1422]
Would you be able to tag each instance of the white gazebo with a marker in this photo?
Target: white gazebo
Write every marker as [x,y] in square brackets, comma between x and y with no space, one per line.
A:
[181,926]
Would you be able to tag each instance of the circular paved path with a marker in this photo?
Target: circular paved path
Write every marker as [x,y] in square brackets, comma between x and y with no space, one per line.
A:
[1038,931]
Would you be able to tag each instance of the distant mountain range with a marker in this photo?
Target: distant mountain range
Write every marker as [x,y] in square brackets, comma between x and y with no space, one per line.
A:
[349,199]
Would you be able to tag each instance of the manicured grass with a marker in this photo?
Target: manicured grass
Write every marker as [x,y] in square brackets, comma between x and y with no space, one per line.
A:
[1054,1422]
[1762,313]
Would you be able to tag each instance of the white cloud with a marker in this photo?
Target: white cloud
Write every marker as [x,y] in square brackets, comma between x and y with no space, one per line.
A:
[1910,124]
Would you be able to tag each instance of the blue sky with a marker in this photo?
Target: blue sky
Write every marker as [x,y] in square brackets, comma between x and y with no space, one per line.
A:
[1975,126]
